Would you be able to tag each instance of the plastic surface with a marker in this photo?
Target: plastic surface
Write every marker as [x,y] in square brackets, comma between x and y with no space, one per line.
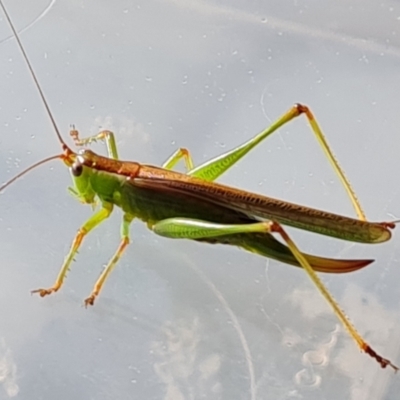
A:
[177,319]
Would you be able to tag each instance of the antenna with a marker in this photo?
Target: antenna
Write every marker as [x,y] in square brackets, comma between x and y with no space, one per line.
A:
[65,148]
[25,171]
[32,72]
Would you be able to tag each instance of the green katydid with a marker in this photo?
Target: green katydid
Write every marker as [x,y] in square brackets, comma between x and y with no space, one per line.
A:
[192,206]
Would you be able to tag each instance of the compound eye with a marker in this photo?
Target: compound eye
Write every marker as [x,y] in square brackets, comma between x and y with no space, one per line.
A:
[76,169]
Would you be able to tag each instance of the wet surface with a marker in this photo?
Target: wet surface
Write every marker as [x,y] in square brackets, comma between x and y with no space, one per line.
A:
[177,319]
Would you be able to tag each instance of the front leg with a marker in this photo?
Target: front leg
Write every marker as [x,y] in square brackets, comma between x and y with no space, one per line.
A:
[126,222]
[107,136]
[89,225]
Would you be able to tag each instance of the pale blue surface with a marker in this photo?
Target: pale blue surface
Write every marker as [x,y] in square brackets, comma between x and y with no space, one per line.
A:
[180,320]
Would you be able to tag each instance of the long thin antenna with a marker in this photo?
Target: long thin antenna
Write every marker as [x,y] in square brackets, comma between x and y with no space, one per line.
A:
[22,173]
[32,72]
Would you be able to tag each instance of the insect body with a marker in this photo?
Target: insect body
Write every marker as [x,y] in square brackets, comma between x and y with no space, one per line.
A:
[192,206]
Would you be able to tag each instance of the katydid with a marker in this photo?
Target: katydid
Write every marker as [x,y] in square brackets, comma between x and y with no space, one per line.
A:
[192,206]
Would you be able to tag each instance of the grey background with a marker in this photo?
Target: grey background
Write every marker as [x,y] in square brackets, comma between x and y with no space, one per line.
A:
[180,320]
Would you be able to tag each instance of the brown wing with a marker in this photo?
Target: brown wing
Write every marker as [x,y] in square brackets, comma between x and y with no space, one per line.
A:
[263,244]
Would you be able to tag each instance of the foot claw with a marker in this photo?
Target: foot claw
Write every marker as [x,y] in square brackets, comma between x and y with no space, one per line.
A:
[90,300]
[44,292]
